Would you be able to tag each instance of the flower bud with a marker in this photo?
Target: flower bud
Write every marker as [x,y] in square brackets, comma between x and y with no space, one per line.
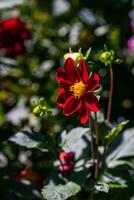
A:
[36,111]
[41,109]
[67,157]
[107,57]
[75,56]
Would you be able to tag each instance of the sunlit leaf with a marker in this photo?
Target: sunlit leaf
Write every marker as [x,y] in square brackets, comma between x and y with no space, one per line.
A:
[30,140]
[60,192]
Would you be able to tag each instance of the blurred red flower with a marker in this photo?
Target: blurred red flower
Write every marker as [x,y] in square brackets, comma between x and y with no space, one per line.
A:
[66,168]
[13,33]
[67,157]
[33,176]
[76,90]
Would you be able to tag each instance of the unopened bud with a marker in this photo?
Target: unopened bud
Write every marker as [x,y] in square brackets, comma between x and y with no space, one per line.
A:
[36,111]
[75,56]
[107,57]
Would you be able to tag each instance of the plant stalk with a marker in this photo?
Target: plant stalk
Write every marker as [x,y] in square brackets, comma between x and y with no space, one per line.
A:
[110,94]
[92,140]
[96,173]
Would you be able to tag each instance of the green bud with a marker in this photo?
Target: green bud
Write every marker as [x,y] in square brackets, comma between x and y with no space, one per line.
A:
[36,111]
[77,56]
[41,109]
[107,57]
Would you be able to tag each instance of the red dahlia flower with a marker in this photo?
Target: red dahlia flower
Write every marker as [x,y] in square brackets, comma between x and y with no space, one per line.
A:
[13,33]
[76,90]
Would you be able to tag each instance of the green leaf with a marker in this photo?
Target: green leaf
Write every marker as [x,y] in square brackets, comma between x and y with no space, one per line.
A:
[101,187]
[113,182]
[81,176]
[72,137]
[60,192]
[125,149]
[119,163]
[87,53]
[103,129]
[115,131]
[30,140]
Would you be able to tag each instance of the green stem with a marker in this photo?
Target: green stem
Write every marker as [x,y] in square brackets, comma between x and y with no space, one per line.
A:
[96,129]
[110,95]
[96,173]
[91,196]
[92,141]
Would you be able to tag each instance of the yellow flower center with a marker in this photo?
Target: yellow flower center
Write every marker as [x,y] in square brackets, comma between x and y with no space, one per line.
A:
[78,89]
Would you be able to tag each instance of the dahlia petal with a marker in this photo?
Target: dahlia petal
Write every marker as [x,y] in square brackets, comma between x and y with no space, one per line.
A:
[71,106]
[61,77]
[71,70]
[83,71]
[19,48]
[91,103]
[25,34]
[93,82]
[11,23]
[83,113]
[61,97]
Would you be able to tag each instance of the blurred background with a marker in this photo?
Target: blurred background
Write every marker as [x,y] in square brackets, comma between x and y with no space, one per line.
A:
[32,48]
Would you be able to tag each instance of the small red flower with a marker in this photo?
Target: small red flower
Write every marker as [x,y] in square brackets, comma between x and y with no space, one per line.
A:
[67,157]
[67,160]
[76,90]
[13,33]
[66,168]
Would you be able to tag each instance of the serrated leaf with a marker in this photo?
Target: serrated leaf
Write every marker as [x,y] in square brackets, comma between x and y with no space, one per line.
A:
[60,192]
[115,131]
[29,140]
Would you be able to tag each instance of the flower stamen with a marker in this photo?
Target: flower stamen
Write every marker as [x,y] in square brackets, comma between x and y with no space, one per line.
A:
[78,89]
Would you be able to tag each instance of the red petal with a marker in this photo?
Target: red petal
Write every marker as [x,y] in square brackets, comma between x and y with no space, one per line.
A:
[83,113]
[61,97]
[93,82]
[83,71]
[71,70]
[91,103]
[19,48]
[71,106]
[61,77]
